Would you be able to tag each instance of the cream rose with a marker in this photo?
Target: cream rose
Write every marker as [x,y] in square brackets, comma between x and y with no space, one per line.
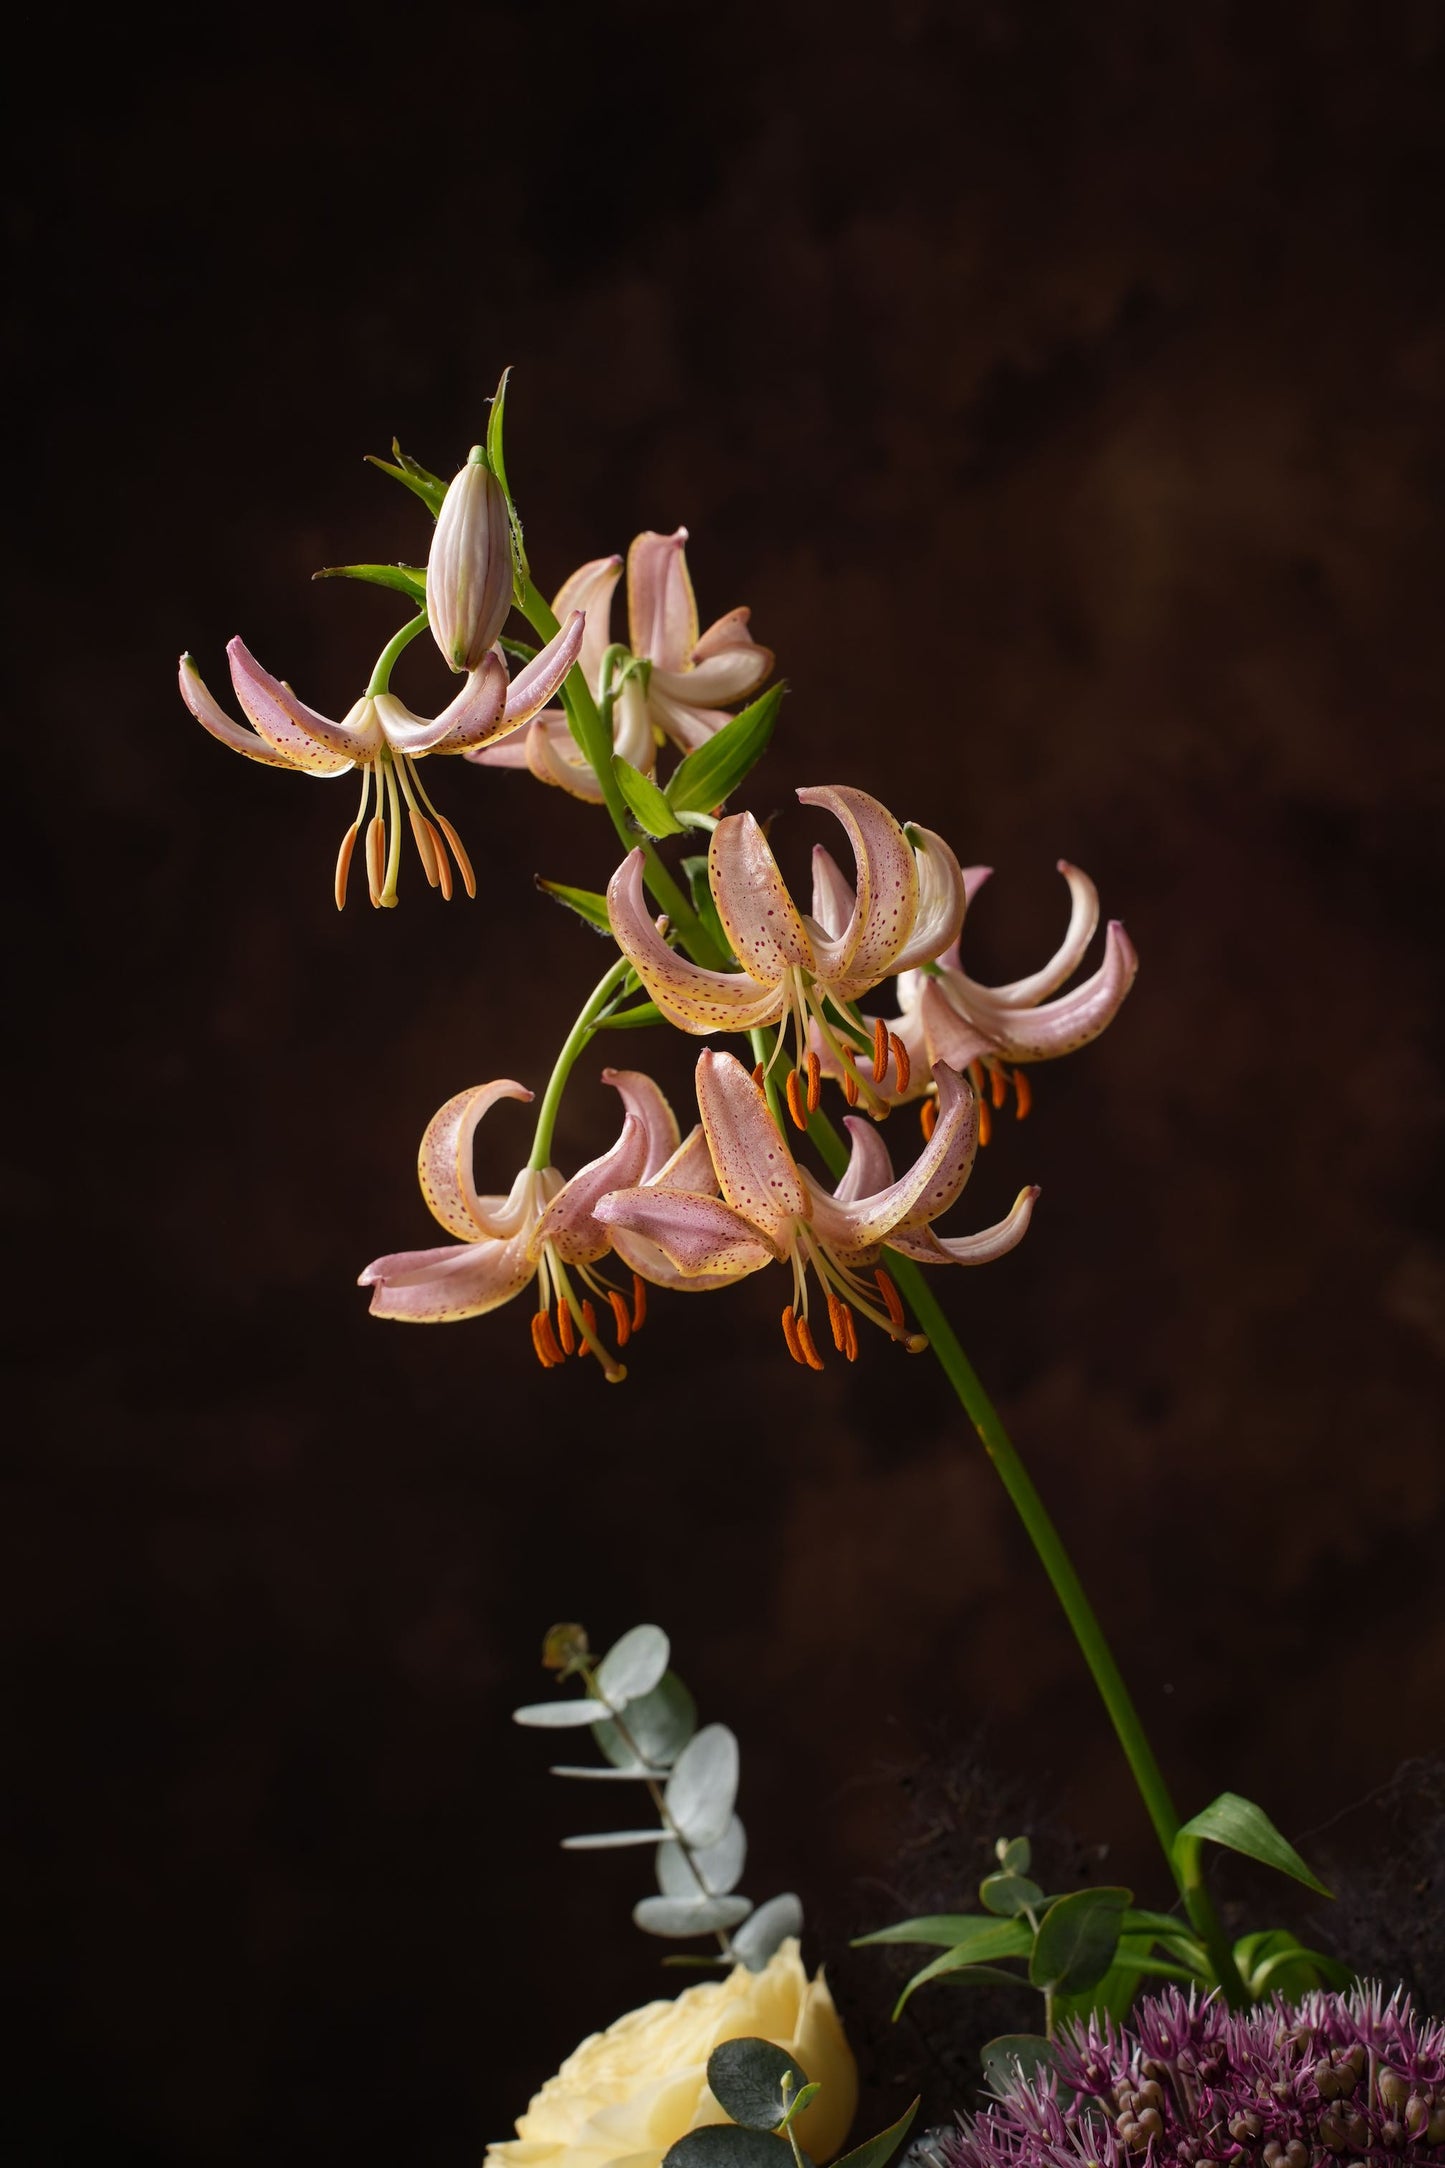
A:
[627,2094]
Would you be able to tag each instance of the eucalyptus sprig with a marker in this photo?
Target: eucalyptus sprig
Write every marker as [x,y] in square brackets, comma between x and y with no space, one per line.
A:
[763,2089]
[644,1720]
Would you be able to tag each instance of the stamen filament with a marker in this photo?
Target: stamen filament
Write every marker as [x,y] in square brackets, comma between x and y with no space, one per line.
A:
[393,856]
[376,853]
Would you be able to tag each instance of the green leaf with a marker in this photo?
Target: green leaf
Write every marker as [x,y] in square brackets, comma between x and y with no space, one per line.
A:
[995,1938]
[644,800]
[429,487]
[586,902]
[876,2152]
[496,455]
[746,2077]
[713,770]
[633,1019]
[406,579]
[800,2101]
[1014,1854]
[1275,1959]
[1002,2056]
[947,1929]
[1077,1938]
[724,2145]
[1241,1826]
[1008,1894]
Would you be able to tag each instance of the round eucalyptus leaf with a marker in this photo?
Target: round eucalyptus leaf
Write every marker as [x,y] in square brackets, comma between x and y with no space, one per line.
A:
[1010,2053]
[632,1666]
[1077,1938]
[594,1773]
[724,2145]
[658,1727]
[769,1927]
[678,1917]
[720,1865]
[746,2077]
[1008,1894]
[703,1786]
[560,1715]
[612,1840]
[1015,1854]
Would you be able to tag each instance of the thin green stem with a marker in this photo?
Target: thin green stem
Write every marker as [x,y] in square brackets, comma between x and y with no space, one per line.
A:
[395,646]
[572,1046]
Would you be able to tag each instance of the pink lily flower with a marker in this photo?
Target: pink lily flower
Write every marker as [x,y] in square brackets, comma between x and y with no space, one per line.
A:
[686,687]
[544,1229]
[381,736]
[774,1212]
[905,906]
[993,1030]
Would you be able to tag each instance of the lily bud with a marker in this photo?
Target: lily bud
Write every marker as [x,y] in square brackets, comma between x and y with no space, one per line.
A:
[469,571]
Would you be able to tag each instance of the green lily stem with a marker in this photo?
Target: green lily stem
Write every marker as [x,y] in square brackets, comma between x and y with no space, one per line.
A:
[395,646]
[572,1046]
[594,740]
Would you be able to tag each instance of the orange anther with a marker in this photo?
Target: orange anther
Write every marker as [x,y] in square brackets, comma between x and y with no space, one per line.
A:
[544,1340]
[1023,1093]
[901,1061]
[837,1312]
[620,1317]
[589,1320]
[758,1074]
[850,1332]
[892,1300]
[997,1086]
[444,865]
[975,1076]
[639,1302]
[928,1117]
[343,863]
[985,1122]
[790,1334]
[421,832]
[464,864]
[880,1051]
[805,1341]
[796,1106]
[566,1330]
[850,1084]
[375,856]
[815,1082]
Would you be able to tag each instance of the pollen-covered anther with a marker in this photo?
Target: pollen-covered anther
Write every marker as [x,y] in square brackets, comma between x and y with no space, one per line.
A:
[927,1117]
[464,864]
[997,1085]
[620,1315]
[880,1051]
[639,1302]
[758,1074]
[796,1105]
[544,1340]
[421,832]
[850,1335]
[1023,1094]
[343,863]
[901,1061]
[892,1300]
[590,1344]
[850,1085]
[806,1342]
[566,1329]
[790,1334]
[985,1123]
[837,1311]
[815,1082]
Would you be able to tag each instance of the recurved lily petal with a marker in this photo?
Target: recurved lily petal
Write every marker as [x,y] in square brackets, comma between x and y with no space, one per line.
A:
[444,1166]
[756,1172]
[307,739]
[442,1286]
[689,996]
[568,1225]
[536,682]
[1055,1027]
[1083,918]
[722,677]
[690,1166]
[643,1098]
[211,716]
[929,1187]
[834,898]
[681,1239]
[927,1248]
[869,1167]
[661,607]
[759,916]
[478,706]
[590,589]
[886,892]
[942,899]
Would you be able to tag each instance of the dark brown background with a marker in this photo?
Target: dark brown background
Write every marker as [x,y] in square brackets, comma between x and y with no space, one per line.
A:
[1060,386]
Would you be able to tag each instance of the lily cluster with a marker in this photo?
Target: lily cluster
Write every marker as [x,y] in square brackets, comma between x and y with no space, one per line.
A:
[694,1213]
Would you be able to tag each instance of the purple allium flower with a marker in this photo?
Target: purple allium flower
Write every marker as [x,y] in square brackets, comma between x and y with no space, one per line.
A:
[1357,2078]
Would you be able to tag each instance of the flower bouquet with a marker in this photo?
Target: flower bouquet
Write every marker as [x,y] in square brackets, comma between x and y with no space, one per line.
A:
[849,1069]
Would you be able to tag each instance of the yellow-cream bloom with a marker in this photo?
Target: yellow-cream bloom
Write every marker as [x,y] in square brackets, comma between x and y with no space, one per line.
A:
[629,2093]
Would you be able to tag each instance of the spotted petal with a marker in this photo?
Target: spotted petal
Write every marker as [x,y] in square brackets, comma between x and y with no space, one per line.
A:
[476,712]
[309,740]
[437,1287]
[942,898]
[444,1165]
[590,589]
[927,1248]
[569,1224]
[886,902]
[688,996]
[756,1172]
[538,680]
[211,716]
[869,1167]
[1056,1027]
[923,1193]
[642,1097]
[680,1239]
[661,608]
[1083,918]
[759,916]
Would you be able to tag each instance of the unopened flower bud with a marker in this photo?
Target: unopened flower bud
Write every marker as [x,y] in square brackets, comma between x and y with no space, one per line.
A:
[1417,2114]
[1394,2089]
[469,571]
[1244,2127]
[1332,2130]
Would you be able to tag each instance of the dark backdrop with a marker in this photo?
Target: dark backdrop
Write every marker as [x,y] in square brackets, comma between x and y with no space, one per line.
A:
[1060,387]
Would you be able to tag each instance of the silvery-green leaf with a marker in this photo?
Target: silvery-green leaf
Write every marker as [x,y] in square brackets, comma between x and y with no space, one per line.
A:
[1077,1938]
[703,1786]
[560,1715]
[769,1927]
[612,1840]
[720,1865]
[1014,1854]
[632,1666]
[1008,1895]
[676,1918]
[724,2145]
[593,1773]
[749,2078]
[658,1726]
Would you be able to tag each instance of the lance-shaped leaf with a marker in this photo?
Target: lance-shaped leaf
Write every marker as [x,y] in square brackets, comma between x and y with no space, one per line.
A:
[1077,1938]
[429,487]
[560,1715]
[677,1917]
[720,1865]
[632,1666]
[658,1728]
[755,2081]
[877,2152]
[953,1930]
[713,771]
[406,579]
[997,1938]
[767,1928]
[703,1786]
[586,902]
[644,801]
[1241,1826]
